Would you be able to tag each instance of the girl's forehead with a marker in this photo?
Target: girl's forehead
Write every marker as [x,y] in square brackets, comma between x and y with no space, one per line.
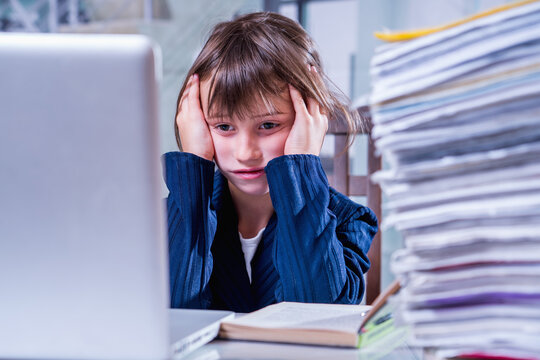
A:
[253,105]
[255,112]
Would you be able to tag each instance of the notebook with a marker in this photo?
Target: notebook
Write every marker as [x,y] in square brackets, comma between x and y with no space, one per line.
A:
[83,250]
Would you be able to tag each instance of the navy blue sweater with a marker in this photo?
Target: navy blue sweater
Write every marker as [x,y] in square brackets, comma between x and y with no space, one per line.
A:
[312,250]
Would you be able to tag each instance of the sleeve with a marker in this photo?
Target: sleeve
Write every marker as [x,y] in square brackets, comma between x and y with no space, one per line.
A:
[317,260]
[192,226]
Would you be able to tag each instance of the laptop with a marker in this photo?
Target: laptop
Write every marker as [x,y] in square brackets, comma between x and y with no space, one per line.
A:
[83,250]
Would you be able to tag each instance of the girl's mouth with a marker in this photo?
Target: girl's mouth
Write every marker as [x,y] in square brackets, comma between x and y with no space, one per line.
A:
[249,174]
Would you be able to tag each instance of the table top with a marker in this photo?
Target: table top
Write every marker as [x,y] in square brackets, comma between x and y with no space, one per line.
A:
[229,349]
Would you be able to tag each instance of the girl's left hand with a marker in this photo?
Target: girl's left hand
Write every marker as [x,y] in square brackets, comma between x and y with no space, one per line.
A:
[309,128]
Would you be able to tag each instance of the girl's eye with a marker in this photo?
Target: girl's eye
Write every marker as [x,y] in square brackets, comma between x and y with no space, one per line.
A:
[268,125]
[224,127]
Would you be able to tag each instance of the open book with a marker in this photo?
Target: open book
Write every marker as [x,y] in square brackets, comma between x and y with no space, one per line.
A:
[301,323]
[290,322]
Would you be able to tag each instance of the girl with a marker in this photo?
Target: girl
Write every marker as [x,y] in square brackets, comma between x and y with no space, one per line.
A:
[265,227]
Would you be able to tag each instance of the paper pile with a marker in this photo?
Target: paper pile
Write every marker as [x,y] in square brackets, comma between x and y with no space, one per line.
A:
[457,118]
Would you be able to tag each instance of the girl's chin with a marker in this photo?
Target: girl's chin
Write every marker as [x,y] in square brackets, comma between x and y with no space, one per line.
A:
[254,189]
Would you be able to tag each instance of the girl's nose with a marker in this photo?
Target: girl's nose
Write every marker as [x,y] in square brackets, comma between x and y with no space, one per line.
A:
[247,148]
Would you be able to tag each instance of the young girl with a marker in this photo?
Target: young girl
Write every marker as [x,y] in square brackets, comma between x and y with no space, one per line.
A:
[265,227]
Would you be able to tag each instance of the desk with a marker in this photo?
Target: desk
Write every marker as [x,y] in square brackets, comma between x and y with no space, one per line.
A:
[239,350]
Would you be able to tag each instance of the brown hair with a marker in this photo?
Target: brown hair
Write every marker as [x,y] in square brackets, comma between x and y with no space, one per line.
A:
[254,57]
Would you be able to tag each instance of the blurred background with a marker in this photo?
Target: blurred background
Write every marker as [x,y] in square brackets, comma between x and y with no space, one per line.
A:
[342,29]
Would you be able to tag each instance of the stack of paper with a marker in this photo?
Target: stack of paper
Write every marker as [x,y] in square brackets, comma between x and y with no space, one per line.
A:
[457,118]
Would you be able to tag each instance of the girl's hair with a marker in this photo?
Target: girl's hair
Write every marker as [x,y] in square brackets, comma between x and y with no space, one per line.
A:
[253,58]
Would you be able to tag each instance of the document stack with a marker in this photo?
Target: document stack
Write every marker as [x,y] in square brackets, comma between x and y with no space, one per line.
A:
[456,117]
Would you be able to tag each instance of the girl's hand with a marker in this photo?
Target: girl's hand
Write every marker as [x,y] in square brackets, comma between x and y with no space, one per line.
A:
[192,127]
[309,128]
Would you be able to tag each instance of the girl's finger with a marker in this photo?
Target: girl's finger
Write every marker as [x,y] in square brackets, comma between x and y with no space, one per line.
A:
[313,107]
[298,101]
[324,119]
[193,97]
[185,94]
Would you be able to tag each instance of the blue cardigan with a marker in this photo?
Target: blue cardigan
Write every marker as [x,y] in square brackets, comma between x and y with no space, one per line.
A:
[312,250]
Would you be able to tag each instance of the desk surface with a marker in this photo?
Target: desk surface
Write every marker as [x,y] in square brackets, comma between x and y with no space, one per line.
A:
[227,349]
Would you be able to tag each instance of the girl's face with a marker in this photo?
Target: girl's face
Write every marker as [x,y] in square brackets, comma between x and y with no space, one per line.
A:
[243,147]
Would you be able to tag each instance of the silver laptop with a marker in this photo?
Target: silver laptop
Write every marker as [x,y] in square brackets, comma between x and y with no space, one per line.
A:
[83,251]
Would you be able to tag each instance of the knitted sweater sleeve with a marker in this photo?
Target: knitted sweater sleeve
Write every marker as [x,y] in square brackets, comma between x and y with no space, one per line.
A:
[320,257]
[192,226]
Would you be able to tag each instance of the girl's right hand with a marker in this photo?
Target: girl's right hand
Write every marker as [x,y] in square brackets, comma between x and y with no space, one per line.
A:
[192,127]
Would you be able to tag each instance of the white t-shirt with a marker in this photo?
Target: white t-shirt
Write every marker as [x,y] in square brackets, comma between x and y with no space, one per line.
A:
[248,248]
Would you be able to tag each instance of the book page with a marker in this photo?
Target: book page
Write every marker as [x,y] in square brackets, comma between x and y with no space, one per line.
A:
[306,316]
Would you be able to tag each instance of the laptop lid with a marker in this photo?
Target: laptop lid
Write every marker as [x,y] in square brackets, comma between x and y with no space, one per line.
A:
[191,329]
[82,236]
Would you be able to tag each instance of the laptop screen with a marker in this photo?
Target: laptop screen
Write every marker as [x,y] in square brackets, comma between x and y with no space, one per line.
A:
[82,234]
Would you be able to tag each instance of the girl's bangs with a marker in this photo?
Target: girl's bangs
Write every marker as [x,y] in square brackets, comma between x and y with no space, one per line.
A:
[240,86]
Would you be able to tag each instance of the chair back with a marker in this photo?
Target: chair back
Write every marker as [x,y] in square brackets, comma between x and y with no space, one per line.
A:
[360,185]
